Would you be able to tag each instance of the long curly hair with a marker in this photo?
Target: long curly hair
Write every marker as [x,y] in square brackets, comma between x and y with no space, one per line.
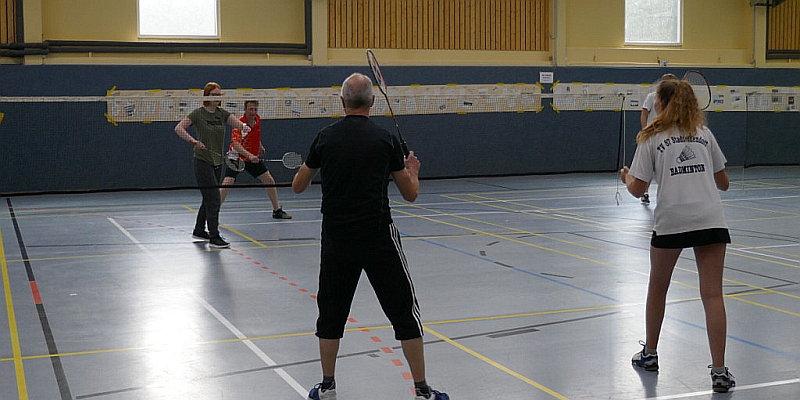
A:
[678,109]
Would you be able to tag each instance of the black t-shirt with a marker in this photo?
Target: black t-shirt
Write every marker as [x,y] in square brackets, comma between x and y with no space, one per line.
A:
[356,157]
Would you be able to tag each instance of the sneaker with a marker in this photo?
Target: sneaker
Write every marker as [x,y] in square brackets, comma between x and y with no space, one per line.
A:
[645,198]
[318,393]
[722,382]
[433,395]
[200,235]
[647,361]
[218,242]
[280,214]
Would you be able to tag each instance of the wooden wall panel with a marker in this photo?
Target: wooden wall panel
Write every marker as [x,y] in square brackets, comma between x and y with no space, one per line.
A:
[511,25]
[8,22]
[784,26]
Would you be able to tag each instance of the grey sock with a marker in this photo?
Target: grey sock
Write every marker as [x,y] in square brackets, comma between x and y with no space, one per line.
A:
[718,370]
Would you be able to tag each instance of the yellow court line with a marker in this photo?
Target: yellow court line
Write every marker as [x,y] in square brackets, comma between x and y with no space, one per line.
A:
[762,218]
[517,229]
[762,209]
[602,262]
[678,268]
[767,260]
[265,246]
[259,244]
[377,327]
[22,388]
[496,364]
[769,250]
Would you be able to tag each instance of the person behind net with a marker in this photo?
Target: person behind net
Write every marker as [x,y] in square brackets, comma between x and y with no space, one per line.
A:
[357,158]
[682,155]
[249,149]
[649,113]
[209,122]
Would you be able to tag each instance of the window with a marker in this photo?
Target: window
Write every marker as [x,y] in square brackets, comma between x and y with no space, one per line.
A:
[191,19]
[653,22]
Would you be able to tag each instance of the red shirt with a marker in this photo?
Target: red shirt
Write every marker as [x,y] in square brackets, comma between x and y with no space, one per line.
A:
[252,142]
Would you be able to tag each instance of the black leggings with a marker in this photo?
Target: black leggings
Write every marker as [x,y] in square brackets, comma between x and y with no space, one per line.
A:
[207,177]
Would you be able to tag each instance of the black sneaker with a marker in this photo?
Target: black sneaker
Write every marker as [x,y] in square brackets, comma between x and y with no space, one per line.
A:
[280,214]
[200,235]
[218,242]
[645,198]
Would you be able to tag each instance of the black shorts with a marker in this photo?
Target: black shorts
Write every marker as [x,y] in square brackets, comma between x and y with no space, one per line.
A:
[384,263]
[254,169]
[698,238]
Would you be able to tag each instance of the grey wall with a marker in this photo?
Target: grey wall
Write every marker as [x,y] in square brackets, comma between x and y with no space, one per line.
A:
[72,146]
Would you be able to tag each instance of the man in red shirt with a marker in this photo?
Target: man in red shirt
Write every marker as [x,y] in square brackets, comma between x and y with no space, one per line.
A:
[249,149]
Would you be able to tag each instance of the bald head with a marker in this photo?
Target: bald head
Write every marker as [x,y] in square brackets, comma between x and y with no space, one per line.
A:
[357,92]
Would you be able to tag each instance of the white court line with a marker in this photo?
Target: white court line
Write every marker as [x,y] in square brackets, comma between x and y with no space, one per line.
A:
[766,255]
[283,374]
[132,239]
[774,246]
[733,391]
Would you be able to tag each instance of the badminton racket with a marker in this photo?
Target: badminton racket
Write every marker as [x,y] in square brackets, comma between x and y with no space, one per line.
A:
[290,160]
[699,83]
[378,75]
[621,145]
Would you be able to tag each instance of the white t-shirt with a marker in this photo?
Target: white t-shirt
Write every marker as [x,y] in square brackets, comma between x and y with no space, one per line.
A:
[683,167]
[650,105]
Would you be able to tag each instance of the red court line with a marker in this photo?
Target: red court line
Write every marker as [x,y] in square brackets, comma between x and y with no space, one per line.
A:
[37,298]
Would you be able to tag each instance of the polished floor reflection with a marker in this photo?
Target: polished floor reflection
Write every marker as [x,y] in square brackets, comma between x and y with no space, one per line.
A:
[530,288]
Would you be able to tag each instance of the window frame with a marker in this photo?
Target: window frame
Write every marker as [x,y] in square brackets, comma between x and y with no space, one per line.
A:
[188,37]
[679,42]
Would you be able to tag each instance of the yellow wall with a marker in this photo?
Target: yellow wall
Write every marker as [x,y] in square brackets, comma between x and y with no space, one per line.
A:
[274,21]
[584,32]
[714,32]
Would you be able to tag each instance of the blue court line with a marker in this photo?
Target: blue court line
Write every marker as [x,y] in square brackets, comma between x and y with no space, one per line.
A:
[489,260]
[738,339]
[702,328]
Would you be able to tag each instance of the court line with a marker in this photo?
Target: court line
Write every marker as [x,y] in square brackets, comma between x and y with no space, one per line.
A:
[732,392]
[132,239]
[678,268]
[22,388]
[50,342]
[440,322]
[250,345]
[260,354]
[634,271]
[496,364]
[232,230]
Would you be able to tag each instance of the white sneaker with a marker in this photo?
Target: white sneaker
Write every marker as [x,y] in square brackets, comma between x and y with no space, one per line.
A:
[317,393]
[434,395]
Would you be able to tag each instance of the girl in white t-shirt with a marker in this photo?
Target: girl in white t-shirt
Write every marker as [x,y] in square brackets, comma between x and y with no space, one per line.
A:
[682,155]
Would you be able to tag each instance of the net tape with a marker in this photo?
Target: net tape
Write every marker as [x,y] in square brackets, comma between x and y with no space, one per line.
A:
[520,98]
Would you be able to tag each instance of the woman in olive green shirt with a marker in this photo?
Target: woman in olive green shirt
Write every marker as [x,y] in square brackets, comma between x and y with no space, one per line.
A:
[209,121]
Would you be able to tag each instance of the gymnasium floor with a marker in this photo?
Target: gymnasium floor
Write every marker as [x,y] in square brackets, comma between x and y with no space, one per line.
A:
[530,287]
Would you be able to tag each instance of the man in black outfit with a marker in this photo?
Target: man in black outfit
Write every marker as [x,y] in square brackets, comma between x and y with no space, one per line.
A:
[357,158]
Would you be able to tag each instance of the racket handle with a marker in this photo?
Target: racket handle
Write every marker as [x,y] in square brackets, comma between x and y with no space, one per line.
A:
[404,147]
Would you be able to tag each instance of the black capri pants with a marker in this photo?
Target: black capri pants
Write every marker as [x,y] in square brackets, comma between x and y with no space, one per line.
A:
[382,259]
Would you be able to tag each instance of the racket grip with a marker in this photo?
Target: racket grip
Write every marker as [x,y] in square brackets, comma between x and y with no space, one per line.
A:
[405,148]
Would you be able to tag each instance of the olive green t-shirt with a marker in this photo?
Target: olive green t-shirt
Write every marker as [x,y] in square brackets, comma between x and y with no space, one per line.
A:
[211,131]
